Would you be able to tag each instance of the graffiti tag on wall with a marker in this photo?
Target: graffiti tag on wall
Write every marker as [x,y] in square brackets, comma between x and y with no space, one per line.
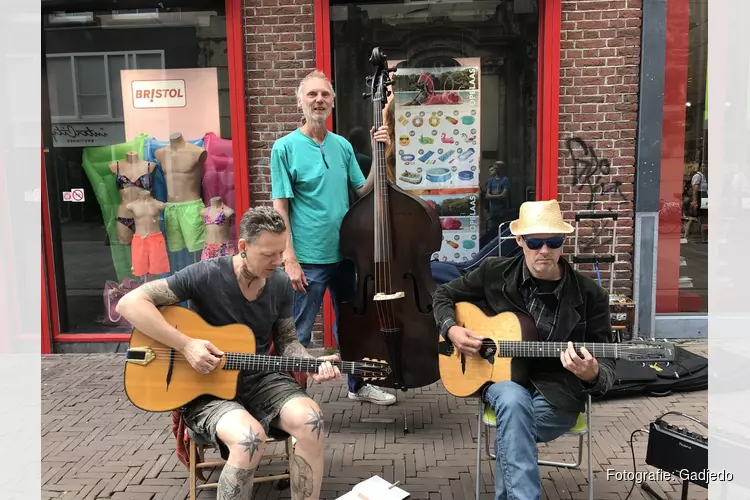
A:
[588,169]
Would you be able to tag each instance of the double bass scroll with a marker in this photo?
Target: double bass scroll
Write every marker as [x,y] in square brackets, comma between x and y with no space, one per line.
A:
[389,235]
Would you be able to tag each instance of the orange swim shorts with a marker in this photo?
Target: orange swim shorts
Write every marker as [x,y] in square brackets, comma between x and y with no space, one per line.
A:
[149,254]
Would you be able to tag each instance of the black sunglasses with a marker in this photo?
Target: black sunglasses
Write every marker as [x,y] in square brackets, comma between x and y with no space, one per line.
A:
[536,243]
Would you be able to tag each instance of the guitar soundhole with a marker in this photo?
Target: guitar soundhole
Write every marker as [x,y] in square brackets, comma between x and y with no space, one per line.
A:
[488,351]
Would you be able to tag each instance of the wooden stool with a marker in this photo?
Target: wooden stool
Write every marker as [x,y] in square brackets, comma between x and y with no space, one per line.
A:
[198,447]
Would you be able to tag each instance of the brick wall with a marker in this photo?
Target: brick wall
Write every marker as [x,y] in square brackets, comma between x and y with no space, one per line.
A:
[280,51]
[599,65]
[599,51]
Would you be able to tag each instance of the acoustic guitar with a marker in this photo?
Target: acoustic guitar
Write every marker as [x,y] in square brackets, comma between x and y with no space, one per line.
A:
[159,378]
[509,339]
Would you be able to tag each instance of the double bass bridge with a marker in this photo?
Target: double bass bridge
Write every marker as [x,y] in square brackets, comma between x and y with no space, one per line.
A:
[388,296]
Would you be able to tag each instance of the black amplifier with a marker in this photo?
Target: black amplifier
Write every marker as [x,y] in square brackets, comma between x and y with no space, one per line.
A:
[678,451]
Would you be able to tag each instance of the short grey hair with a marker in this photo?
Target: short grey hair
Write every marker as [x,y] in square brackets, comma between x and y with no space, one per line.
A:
[315,74]
[259,219]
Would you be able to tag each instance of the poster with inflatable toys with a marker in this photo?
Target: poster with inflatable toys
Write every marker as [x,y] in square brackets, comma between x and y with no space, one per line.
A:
[437,127]
[460,223]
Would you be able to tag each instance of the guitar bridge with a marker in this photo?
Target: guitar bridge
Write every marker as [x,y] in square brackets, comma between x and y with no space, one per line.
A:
[139,355]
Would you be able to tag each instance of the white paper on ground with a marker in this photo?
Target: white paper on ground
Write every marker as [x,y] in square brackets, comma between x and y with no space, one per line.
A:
[375,488]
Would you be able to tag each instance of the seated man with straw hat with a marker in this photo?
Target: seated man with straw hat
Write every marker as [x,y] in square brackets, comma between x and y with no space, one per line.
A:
[566,306]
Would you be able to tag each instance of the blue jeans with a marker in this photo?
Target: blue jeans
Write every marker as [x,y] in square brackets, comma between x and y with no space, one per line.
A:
[339,279]
[524,418]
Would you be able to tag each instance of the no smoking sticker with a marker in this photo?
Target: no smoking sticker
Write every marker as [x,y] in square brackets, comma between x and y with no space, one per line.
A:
[75,195]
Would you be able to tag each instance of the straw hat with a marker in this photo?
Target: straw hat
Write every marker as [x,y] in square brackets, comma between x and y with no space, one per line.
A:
[539,217]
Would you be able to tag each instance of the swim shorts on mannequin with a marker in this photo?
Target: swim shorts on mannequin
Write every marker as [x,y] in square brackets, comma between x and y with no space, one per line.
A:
[184,225]
[149,254]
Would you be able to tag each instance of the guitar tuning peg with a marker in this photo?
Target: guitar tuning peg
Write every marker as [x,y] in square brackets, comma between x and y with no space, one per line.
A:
[366,95]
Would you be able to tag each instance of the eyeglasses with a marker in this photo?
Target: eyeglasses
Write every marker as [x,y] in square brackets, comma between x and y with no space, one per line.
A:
[536,243]
[324,156]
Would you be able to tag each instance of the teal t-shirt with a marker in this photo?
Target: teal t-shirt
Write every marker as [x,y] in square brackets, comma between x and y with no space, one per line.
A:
[318,191]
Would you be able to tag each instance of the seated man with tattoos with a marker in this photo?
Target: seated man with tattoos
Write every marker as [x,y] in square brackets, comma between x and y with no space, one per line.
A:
[250,289]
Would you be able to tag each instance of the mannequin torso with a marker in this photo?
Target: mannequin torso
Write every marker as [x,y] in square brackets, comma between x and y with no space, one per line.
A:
[218,220]
[182,163]
[131,176]
[146,211]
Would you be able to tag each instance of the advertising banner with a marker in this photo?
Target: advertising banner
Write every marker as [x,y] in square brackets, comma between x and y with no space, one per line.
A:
[438,152]
[160,102]
[437,128]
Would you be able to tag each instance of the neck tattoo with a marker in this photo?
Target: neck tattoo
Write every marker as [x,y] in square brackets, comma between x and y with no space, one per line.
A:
[246,274]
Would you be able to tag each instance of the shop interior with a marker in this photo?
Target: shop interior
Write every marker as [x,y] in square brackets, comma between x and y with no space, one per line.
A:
[120,156]
[465,91]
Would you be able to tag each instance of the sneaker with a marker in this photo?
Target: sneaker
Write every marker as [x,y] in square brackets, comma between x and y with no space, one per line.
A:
[374,395]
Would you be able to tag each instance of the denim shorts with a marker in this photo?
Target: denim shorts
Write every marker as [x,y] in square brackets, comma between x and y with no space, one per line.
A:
[263,395]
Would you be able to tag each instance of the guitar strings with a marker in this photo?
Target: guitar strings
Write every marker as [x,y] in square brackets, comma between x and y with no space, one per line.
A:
[163,355]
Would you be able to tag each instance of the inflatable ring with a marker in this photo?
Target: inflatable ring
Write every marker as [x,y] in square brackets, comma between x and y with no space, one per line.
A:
[434,121]
[418,121]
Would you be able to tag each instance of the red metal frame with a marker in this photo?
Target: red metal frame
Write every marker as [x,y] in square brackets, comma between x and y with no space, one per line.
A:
[548,100]
[548,106]
[46,347]
[238,116]
[672,156]
[49,269]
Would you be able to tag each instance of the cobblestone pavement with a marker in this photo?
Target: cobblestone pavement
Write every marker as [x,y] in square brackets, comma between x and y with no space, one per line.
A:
[96,444]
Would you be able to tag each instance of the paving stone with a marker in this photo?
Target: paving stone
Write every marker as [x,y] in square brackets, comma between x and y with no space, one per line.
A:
[96,445]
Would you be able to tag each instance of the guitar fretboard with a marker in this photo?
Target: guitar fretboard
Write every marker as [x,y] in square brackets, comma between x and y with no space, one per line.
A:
[238,361]
[536,349]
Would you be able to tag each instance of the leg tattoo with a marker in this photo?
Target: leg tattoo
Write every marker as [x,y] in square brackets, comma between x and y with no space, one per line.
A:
[251,443]
[302,478]
[235,484]
[316,421]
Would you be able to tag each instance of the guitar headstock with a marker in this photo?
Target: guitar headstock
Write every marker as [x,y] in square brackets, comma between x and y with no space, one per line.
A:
[646,352]
[372,369]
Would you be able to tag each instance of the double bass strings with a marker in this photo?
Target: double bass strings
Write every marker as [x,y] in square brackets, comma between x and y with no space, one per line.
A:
[386,315]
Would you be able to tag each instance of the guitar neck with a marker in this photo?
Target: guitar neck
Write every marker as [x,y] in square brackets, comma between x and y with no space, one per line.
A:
[240,361]
[538,349]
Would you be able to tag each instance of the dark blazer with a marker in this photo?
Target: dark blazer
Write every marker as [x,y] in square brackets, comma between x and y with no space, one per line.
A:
[583,316]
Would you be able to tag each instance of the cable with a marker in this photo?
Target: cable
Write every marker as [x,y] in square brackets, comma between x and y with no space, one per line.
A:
[635,467]
[682,415]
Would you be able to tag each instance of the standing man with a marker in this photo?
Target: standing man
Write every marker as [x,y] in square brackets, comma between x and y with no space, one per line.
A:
[497,196]
[566,306]
[312,173]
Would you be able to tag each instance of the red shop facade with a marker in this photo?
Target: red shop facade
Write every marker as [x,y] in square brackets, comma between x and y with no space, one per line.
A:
[557,82]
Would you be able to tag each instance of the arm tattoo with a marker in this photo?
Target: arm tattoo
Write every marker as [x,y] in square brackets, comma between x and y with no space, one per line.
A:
[316,421]
[235,484]
[285,337]
[302,478]
[160,293]
[251,443]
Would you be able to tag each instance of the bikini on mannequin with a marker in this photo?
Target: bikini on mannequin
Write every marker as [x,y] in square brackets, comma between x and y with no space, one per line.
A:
[131,176]
[149,251]
[217,218]
[182,163]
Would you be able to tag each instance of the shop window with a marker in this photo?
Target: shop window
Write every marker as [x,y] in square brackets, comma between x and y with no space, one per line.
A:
[140,163]
[682,281]
[465,98]
[85,86]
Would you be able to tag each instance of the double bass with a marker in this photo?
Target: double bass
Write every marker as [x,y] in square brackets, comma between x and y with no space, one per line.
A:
[389,235]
